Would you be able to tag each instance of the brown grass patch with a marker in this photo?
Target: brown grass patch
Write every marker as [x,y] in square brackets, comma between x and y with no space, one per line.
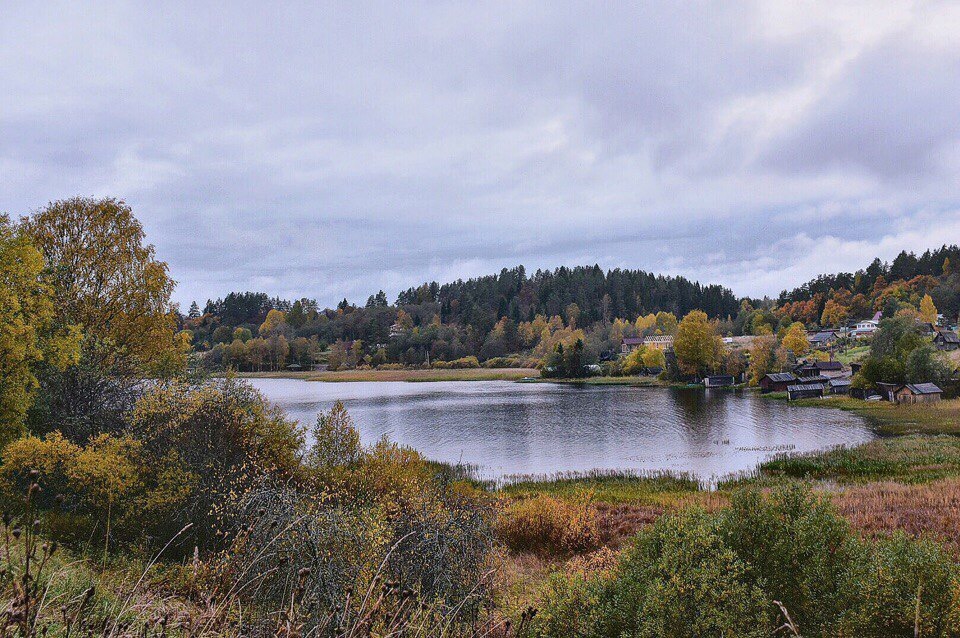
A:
[929,510]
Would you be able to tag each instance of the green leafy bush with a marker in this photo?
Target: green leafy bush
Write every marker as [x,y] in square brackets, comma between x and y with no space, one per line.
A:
[728,573]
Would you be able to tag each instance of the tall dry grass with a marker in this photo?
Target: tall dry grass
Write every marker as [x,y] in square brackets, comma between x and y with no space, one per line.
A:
[928,510]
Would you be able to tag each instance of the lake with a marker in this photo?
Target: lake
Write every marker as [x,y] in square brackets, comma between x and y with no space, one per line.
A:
[510,429]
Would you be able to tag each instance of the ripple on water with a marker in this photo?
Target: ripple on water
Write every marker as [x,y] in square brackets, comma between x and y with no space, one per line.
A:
[509,428]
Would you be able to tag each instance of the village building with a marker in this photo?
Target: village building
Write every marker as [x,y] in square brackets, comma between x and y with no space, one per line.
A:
[806,370]
[830,369]
[911,393]
[629,344]
[822,339]
[888,390]
[839,385]
[777,381]
[805,391]
[946,340]
[658,342]
[719,381]
[866,327]
[819,379]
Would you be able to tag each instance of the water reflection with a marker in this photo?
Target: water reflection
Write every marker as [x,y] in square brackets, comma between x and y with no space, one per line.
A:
[510,428]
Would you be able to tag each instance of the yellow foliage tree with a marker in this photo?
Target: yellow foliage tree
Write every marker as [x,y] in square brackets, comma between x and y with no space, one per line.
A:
[796,339]
[834,314]
[26,335]
[273,322]
[106,280]
[928,311]
[762,358]
[645,323]
[698,349]
[633,362]
[667,323]
[654,358]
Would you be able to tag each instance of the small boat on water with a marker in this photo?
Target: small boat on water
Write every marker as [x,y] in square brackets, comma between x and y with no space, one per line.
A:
[528,380]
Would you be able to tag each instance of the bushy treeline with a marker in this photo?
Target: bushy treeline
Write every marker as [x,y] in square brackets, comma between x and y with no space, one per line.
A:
[784,564]
[900,353]
[880,286]
[485,317]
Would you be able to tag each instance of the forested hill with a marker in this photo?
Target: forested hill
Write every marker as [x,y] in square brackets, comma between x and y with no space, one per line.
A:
[485,317]
[598,295]
[881,286]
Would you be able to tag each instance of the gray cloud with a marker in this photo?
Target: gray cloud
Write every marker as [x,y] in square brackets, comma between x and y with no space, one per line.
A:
[333,150]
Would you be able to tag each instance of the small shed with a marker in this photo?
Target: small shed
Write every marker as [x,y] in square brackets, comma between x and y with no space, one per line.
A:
[807,370]
[818,379]
[946,340]
[805,391]
[822,339]
[777,381]
[718,381]
[888,390]
[830,368]
[918,393]
[839,386]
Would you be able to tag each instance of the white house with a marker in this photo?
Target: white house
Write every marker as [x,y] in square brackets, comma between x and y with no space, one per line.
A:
[867,326]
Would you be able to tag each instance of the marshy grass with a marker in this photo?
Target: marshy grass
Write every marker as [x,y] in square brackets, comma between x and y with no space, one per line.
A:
[907,459]
[606,486]
[928,510]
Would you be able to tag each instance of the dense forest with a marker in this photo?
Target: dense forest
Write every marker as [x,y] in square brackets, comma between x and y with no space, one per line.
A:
[487,317]
[512,319]
[879,287]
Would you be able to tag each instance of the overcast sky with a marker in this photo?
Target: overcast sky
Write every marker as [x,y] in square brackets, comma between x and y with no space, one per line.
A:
[330,151]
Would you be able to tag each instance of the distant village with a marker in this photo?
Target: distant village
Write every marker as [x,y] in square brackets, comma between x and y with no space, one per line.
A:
[813,377]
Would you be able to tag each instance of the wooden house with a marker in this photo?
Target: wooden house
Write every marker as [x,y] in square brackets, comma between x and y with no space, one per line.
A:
[887,390]
[805,391]
[917,393]
[822,339]
[718,381]
[777,381]
[806,370]
[829,369]
[946,340]
[840,385]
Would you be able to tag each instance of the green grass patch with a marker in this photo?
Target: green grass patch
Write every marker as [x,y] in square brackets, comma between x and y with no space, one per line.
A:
[906,459]
[853,354]
[661,488]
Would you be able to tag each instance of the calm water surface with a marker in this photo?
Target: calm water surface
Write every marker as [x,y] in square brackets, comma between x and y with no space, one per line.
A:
[510,429]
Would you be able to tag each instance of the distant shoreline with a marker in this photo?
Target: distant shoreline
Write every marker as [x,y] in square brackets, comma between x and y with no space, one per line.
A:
[415,376]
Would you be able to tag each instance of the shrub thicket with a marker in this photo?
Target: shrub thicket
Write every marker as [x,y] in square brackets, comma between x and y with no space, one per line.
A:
[728,574]
[548,525]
